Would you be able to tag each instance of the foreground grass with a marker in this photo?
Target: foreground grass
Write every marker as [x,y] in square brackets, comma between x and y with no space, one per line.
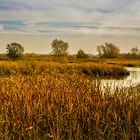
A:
[50,100]
[66,107]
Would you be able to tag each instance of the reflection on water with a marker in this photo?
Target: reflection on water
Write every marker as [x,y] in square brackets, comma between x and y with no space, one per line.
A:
[133,78]
[134,74]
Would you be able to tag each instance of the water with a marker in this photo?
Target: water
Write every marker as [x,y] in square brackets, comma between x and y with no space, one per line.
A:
[134,74]
[132,79]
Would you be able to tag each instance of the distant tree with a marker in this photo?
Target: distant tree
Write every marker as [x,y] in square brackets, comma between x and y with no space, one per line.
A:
[60,47]
[81,54]
[99,50]
[14,50]
[135,51]
[108,50]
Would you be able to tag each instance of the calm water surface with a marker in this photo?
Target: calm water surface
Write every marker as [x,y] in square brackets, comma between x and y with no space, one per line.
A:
[133,78]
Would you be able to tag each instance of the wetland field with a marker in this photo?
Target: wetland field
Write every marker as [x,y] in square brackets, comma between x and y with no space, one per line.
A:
[49,100]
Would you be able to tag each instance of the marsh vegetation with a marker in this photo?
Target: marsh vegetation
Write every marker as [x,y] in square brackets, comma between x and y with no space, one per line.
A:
[53,100]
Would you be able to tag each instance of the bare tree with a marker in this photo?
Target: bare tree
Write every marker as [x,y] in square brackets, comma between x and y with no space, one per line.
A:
[135,51]
[108,50]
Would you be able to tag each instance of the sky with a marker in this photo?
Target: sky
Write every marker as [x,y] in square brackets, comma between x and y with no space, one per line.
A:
[84,24]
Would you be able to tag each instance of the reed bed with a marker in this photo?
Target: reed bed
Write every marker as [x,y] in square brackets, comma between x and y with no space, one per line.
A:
[8,68]
[66,107]
[53,101]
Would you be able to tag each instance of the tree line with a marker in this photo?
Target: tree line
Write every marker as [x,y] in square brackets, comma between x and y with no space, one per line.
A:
[60,48]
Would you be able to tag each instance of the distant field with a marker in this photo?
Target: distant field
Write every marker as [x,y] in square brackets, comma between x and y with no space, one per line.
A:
[34,67]
[69,59]
[123,62]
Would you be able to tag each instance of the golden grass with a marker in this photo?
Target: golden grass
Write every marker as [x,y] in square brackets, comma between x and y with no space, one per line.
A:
[44,67]
[66,107]
[40,100]
[121,61]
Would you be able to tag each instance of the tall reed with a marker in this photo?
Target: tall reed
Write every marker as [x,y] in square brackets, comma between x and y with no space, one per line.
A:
[66,106]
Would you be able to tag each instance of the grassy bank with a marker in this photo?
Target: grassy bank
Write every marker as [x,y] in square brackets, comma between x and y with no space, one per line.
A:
[117,61]
[35,67]
[124,62]
[66,107]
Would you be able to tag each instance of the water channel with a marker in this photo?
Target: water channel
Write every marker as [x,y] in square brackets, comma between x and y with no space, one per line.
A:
[132,79]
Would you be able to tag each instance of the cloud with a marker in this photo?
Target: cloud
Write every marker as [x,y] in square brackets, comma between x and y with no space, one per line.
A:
[85,17]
